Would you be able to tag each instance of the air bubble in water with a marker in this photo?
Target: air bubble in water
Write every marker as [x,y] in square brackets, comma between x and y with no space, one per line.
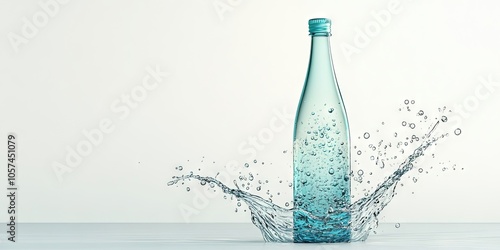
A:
[203,182]
[458,131]
[407,101]
[360,172]
[258,188]
[238,204]
[330,110]
[412,101]
[415,179]
[412,125]
[359,152]
[397,225]
[444,118]
[179,168]
[421,112]
[188,189]
[287,204]
[247,165]
[420,170]
[366,135]
[403,123]
[254,161]
[331,171]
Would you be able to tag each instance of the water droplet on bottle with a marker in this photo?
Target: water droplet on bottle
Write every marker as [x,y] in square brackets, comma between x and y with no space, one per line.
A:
[444,118]
[458,131]
[330,110]
[331,171]
[397,225]
[366,135]
[188,189]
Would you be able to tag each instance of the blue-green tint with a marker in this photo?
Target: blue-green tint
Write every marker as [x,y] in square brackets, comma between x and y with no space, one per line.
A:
[321,151]
[319,26]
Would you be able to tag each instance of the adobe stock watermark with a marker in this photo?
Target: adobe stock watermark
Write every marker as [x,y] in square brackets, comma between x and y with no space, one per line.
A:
[483,91]
[248,148]
[223,7]
[39,20]
[121,106]
[365,35]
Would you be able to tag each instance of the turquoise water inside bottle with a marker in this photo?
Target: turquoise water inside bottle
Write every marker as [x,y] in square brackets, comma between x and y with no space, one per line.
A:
[321,150]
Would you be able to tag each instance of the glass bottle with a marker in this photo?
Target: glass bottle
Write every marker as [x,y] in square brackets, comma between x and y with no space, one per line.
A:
[321,150]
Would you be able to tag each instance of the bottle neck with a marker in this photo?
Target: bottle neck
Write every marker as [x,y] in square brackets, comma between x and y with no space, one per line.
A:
[320,61]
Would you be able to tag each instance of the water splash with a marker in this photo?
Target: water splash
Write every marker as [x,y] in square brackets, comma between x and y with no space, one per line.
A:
[276,222]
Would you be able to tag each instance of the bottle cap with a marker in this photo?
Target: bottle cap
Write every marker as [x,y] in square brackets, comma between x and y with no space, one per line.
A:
[319,25]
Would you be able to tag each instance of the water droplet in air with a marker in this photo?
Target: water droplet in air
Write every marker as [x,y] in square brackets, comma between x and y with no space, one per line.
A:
[366,135]
[458,131]
[330,110]
[397,225]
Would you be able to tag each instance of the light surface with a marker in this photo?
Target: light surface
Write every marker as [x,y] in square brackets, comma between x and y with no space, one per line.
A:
[243,236]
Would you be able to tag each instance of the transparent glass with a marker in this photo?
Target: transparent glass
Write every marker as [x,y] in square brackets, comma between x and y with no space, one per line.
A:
[321,153]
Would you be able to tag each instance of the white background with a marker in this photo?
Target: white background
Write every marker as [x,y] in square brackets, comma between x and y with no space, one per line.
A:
[230,71]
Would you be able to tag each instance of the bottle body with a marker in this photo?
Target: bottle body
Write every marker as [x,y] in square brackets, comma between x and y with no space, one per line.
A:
[321,153]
